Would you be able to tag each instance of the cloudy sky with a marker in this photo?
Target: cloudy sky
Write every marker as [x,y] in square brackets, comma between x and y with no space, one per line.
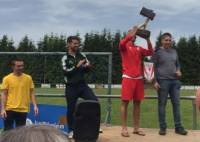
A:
[38,17]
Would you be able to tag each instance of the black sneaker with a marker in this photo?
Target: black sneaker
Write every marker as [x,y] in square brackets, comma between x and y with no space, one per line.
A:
[181,131]
[162,132]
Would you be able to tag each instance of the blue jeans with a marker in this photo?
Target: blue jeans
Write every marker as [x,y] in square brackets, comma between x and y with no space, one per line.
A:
[171,87]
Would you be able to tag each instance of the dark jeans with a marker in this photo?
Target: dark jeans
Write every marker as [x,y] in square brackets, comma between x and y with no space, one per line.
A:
[19,118]
[171,87]
[72,93]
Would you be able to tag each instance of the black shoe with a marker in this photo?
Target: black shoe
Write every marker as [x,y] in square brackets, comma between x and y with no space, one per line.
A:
[162,132]
[181,131]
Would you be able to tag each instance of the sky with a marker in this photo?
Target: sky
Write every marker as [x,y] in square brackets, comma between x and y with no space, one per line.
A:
[36,18]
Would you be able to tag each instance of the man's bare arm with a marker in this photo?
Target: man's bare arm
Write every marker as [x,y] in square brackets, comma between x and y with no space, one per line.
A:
[34,101]
[4,95]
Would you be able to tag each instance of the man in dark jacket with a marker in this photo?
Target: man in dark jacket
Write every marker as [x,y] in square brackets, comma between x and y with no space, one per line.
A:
[75,65]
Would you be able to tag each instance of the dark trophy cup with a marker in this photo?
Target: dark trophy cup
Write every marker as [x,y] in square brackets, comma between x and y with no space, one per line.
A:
[149,14]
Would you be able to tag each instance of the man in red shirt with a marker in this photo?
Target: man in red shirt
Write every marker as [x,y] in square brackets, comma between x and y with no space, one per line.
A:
[132,78]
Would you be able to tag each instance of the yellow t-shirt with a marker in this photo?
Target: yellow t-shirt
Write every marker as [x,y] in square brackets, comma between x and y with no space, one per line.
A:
[18,92]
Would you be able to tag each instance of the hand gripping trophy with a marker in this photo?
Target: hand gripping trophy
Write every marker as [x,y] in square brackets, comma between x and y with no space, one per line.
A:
[149,14]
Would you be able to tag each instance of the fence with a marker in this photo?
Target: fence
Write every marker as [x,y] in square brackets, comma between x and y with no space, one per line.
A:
[109,79]
[108,113]
[44,61]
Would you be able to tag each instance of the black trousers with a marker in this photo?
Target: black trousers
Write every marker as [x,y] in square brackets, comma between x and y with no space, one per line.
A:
[19,118]
[72,93]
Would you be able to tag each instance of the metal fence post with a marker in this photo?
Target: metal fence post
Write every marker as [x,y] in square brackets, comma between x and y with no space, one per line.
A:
[109,102]
[194,115]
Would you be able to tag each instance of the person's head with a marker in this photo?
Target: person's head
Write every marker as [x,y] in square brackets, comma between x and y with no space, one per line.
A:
[166,40]
[73,43]
[34,133]
[134,37]
[17,66]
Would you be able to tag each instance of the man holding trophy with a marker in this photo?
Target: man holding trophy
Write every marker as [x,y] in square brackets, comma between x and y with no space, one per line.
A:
[132,73]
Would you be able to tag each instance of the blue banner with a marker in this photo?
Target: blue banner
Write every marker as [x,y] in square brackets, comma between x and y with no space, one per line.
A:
[48,114]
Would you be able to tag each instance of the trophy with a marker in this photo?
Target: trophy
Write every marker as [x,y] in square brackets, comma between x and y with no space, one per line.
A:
[149,14]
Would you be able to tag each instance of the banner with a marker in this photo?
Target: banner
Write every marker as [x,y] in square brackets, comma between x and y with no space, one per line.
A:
[148,71]
[48,114]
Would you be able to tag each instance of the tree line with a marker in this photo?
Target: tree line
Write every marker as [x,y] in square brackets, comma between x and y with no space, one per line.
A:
[47,69]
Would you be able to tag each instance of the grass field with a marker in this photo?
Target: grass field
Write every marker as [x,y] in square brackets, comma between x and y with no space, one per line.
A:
[149,115]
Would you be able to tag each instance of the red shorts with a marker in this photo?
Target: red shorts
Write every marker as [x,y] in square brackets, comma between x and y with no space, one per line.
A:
[132,89]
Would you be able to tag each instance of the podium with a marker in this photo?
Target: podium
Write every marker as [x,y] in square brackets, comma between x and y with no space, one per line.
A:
[87,121]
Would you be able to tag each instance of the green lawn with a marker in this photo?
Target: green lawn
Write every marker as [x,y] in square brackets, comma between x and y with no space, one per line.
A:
[149,114]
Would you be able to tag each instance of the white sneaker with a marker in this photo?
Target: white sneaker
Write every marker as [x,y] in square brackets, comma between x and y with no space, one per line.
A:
[100,130]
[70,135]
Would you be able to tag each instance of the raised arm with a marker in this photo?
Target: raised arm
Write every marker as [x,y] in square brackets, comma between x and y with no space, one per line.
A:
[128,37]
[149,51]
[69,70]
[83,65]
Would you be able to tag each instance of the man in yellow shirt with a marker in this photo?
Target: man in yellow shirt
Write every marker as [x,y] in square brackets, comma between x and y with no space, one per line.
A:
[17,92]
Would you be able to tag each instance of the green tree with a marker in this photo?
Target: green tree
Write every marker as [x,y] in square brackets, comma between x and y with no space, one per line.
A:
[189,51]
[26,45]
[116,71]
[158,41]
[6,45]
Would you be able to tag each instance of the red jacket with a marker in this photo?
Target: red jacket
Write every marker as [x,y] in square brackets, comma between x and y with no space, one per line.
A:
[132,57]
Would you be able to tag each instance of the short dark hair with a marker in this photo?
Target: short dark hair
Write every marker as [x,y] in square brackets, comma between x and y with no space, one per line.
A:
[70,38]
[166,34]
[16,60]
